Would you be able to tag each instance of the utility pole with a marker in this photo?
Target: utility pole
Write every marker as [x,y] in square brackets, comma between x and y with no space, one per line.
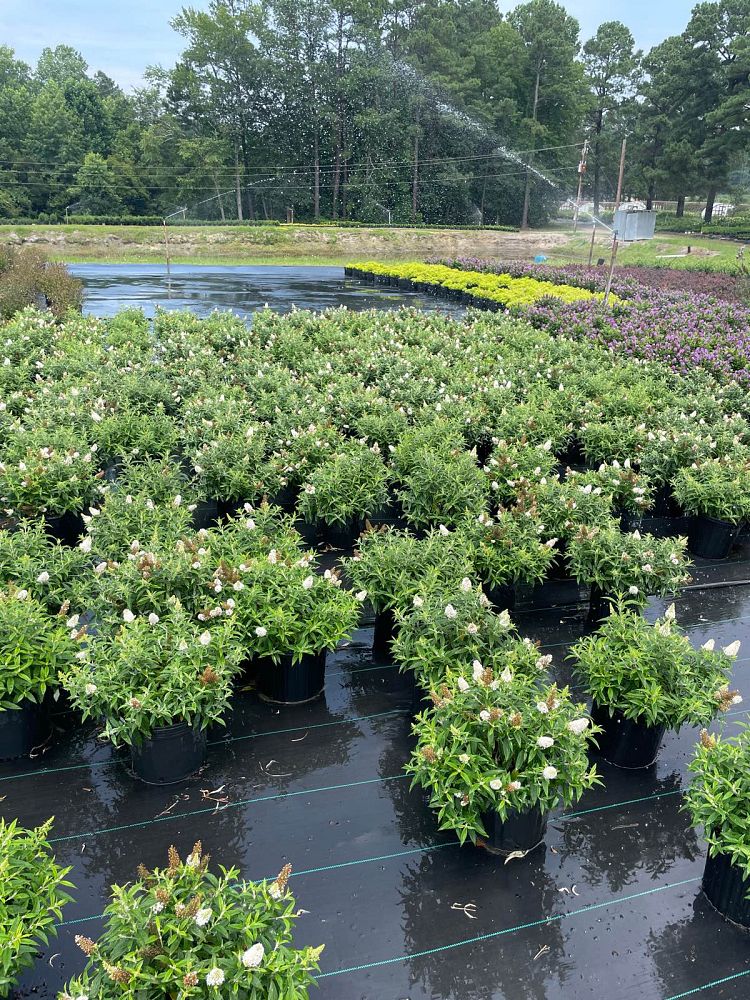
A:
[581,172]
[608,287]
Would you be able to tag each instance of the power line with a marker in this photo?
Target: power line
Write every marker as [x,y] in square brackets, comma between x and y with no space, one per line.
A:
[324,167]
[375,182]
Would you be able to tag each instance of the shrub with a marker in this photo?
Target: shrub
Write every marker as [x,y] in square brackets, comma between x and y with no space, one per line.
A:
[718,797]
[154,670]
[28,279]
[183,931]
[717,488]
[507,549]
[652,673]
[493,744]
[345,489]
[393,566]
[446,629]
[630,565]
[442,489]
[34,649]
[32,895]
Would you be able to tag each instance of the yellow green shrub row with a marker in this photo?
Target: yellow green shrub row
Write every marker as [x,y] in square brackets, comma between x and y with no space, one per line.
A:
[503,289]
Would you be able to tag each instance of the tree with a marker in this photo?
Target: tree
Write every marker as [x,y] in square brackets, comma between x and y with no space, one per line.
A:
[552,81]
[96,188]
[220,81]
[60,65]
[611,66]
[719,34]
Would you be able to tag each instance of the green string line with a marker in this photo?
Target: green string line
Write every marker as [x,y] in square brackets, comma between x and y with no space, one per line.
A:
[315,871]
[427,847]
[229,739]
[708,986]
[508,930]
[229,805]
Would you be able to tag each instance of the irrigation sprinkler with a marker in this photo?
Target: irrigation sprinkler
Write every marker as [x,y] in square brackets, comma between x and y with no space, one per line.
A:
[581,172]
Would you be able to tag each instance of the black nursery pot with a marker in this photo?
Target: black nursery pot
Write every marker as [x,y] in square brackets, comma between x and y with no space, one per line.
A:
[287,683]
[503,596]
[711,538]
[66,528]
[286,497]
[169,754]
[384,633]
[600,606]
[22,729]
[519,831]
[342,536]
[626,743]
[307,530]
[727,888]
[205,515]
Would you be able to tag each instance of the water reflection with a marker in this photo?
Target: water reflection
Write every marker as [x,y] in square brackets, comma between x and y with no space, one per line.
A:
[504,896]
[243,289]
[615,848]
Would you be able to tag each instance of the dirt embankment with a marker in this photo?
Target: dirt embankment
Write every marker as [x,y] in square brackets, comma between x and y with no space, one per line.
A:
[209,244]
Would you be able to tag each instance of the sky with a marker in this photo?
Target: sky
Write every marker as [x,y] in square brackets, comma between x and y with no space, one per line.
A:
[123,38]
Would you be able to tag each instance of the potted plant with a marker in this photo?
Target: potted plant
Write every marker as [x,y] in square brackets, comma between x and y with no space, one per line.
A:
[32,895]
[125,516]
[507,550]
[717,493]
[49,474]
[340,494]
[30,559]
[34,649]
[630,565]
[443,489]
[183,931]
[497,752]
[644,679]
[156,682]
[446,628]
[516,465]
[288,617]
[631,493]
[230,468]
[393,566]
[718,799]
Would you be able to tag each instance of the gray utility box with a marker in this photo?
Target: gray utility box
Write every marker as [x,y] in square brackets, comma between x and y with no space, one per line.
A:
[634,224]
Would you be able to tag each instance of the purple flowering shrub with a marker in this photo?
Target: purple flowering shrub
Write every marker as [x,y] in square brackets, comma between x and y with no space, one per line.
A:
[683,329]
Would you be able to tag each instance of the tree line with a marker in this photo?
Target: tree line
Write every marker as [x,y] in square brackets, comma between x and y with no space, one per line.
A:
[434,111]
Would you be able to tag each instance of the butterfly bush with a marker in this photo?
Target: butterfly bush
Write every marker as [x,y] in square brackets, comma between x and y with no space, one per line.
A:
[497,741]
[183,931]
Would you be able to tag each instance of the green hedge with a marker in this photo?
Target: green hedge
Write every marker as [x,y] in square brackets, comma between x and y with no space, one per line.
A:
[156,220]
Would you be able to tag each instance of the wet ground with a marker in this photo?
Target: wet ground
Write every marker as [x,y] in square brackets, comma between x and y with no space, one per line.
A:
[244,290]
[610,908]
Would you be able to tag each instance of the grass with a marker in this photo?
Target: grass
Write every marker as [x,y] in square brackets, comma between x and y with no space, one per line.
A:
[285,244]
[300,244]
[706,254]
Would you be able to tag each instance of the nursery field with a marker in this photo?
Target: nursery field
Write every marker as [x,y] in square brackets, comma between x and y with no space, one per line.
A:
[450,615]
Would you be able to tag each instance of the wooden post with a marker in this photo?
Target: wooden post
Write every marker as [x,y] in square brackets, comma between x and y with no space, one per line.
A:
[613,258]
[581,172]
[621,175]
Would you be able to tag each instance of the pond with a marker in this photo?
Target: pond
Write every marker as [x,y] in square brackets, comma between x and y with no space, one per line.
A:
[243,289]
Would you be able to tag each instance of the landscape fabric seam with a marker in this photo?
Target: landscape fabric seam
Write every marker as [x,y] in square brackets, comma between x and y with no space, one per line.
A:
[229,805]
[708,986]
[613,901]
[426,848]
[229,739]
